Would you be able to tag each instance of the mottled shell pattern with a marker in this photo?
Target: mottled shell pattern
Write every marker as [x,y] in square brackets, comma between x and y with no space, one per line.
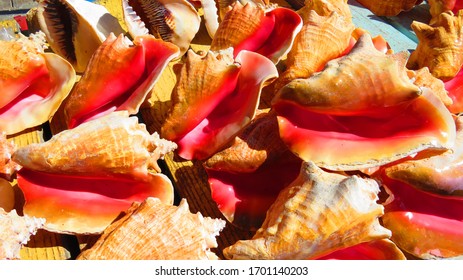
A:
[440,46]
[389,7]
[318,213]
[120,76]
[15,232]
[321,39]
[175,21]
[75,28]
[152,230]
[34,83]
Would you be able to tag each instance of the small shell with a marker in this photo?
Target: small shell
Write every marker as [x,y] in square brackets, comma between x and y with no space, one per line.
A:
[251,27]
[321,39]
[389,7]
[423,78]
[15,232]
[439,47]
[155,231]
[75,28]
[317,214]
[120,76]
[175,21]
[7,167]
[216,95]
[34,84]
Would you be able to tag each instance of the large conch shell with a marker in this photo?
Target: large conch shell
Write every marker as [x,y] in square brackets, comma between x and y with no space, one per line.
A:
[155,231]
[326,7]
[389,7]
[15,232]
[441,174]
[175,21]
[216,95]
[242,177]
[76,28]
[81,179]
[317,214]
[321,39]
[361,111]
[7,167]
[120,75]
[439,47]
[269,32]
[33,83]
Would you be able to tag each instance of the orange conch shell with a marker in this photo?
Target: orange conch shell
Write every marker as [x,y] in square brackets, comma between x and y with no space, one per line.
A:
[436,7]
[440,46]
[318,213]
[423,78]
[15,232]
[175,21]
[82,178]
[120,76]
[76,28]
[361,111]
[34,83]
[155,231]
[326,7]
[389,7]
[321,39]
[441,174]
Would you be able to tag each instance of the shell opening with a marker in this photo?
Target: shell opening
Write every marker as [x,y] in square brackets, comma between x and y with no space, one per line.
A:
[155,17]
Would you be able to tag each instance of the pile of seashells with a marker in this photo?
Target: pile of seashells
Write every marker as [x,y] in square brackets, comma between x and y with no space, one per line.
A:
[358,156]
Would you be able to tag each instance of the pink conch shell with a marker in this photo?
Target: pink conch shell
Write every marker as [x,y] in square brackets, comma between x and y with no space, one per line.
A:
[440,46]
[423,224]
[242,177]
[76,28]
[175,21]
[389,7]
[15,232]
[442,174]
[361,111]
[250,27]
[216,95]
[119,77]
[317,214]
[7,167]
[155,231]
[33,83]
[382,249]
[321,39]
[84,187]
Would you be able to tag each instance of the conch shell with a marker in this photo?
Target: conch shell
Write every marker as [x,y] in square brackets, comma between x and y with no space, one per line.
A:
[440,46]
[216,95]
[175,21]
[382,249]
[120,76]
[361,111]
[81,179]
[155,231]
[423,78]
[326,8]
[15,232]
[34,83]
[318,213]
[269,32]
[321,39]
[389,7]
[76,28]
